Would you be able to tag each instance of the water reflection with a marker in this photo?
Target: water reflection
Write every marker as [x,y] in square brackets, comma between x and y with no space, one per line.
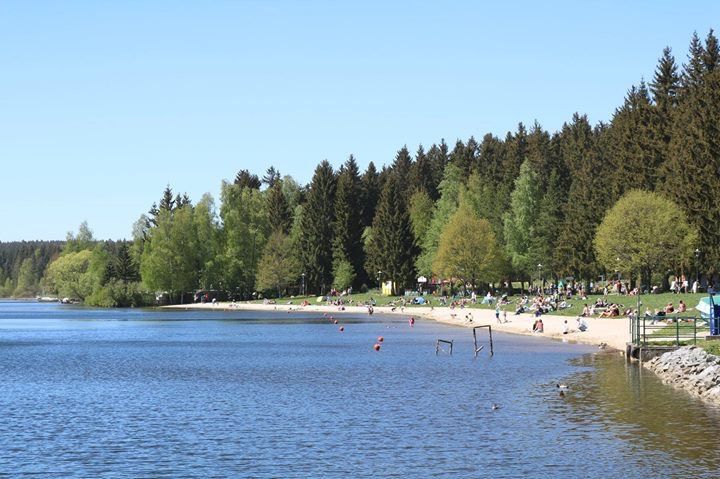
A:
[660,425]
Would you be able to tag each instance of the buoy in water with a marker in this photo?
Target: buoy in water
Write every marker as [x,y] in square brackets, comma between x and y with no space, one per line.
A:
[335,321]
[380,339]
[342,328]
[376,347]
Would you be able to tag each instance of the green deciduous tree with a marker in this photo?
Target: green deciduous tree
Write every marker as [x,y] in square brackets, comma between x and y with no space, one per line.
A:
[449,188]
[171,258]
[521,222]
[245,230]
[278,266]
[644,232]
[468,250]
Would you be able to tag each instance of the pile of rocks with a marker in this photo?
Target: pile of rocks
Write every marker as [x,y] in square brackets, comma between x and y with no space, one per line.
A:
[689,368]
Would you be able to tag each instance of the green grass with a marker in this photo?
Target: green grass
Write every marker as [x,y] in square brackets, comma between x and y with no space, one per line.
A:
[711,347]
[652,301]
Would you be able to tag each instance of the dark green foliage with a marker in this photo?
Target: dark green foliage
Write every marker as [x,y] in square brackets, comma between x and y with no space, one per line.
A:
[392,249]
[586,201]
[347,244]
[694,161]
[278,209]
[421,174]
[245,179]
[438,157]
[317,229]
[14,253]
[401,168]
[369,194]
[271,177]
[634,154]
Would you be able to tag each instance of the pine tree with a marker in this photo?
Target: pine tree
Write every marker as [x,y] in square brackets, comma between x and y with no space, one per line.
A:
[664,88]
[167,202]
[692,169]
[271,177]
[348,230]
[401,168]
[586,200]
[635,157]
[438,157]
[421,174]
[245,179]
[370,192]
[278,210]
[317,229]
[392,247]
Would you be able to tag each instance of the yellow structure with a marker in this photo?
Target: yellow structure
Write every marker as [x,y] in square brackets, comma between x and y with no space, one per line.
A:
[387,288]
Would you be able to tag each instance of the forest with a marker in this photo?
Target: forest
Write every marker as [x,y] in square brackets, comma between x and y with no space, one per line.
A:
[479,212]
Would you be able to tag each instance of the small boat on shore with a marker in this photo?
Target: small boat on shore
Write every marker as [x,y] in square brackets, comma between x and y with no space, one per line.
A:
[47,299]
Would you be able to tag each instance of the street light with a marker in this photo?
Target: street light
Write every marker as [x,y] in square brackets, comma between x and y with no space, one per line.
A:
[540,276]
[697,265]
[303,284]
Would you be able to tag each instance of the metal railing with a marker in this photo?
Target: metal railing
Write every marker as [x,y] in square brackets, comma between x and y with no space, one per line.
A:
[666,330]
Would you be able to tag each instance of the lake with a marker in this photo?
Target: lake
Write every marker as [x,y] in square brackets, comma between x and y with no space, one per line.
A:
[156,393]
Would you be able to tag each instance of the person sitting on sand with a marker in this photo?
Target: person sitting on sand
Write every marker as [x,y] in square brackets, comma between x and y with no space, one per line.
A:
[538,327]
[582,325]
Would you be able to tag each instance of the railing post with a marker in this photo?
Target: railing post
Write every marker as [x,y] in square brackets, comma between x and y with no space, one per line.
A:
[694,330]
[677,331]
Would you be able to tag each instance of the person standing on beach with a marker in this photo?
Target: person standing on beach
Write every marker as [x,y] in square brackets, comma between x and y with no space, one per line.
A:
[497,312]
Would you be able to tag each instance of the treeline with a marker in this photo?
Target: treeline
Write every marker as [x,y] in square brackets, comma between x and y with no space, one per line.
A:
[22,265]
[479,211]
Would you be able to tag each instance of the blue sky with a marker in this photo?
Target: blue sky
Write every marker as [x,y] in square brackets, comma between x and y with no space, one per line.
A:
[104,103]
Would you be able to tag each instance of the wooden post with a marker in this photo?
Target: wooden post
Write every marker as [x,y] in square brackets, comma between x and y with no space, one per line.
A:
[438,348]
[478,349]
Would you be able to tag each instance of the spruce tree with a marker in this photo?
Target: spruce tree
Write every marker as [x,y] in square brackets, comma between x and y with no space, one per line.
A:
[278,210]
[586,200]
[317,229]
[271,177]
[392,245]
[348,229]
[692,169]
[245,179]
[438,157]
[401,168]
[421,174]
[664,88]
[370,192]
[635,157]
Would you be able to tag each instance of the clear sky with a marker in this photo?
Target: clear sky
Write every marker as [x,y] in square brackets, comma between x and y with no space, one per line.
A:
[102,104]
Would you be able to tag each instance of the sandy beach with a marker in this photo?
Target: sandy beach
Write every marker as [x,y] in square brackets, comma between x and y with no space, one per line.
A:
[612,331]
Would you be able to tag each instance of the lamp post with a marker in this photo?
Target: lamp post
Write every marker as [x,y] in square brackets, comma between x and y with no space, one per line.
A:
[539,266]
[697,265]
[303,284]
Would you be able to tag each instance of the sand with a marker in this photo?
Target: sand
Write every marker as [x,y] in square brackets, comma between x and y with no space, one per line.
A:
[612,331]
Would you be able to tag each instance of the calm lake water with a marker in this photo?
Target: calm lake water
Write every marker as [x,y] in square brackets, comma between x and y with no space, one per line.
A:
[144,393]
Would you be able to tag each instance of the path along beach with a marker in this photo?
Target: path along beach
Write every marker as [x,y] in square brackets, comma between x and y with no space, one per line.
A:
[612,331]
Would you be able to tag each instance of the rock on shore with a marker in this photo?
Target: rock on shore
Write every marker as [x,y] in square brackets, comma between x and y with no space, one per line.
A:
[690,368]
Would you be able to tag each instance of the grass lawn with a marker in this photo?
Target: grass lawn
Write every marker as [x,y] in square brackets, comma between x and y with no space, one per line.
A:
[652,301]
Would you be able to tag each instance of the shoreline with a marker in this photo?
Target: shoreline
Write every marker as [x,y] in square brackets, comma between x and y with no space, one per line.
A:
[612,331]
